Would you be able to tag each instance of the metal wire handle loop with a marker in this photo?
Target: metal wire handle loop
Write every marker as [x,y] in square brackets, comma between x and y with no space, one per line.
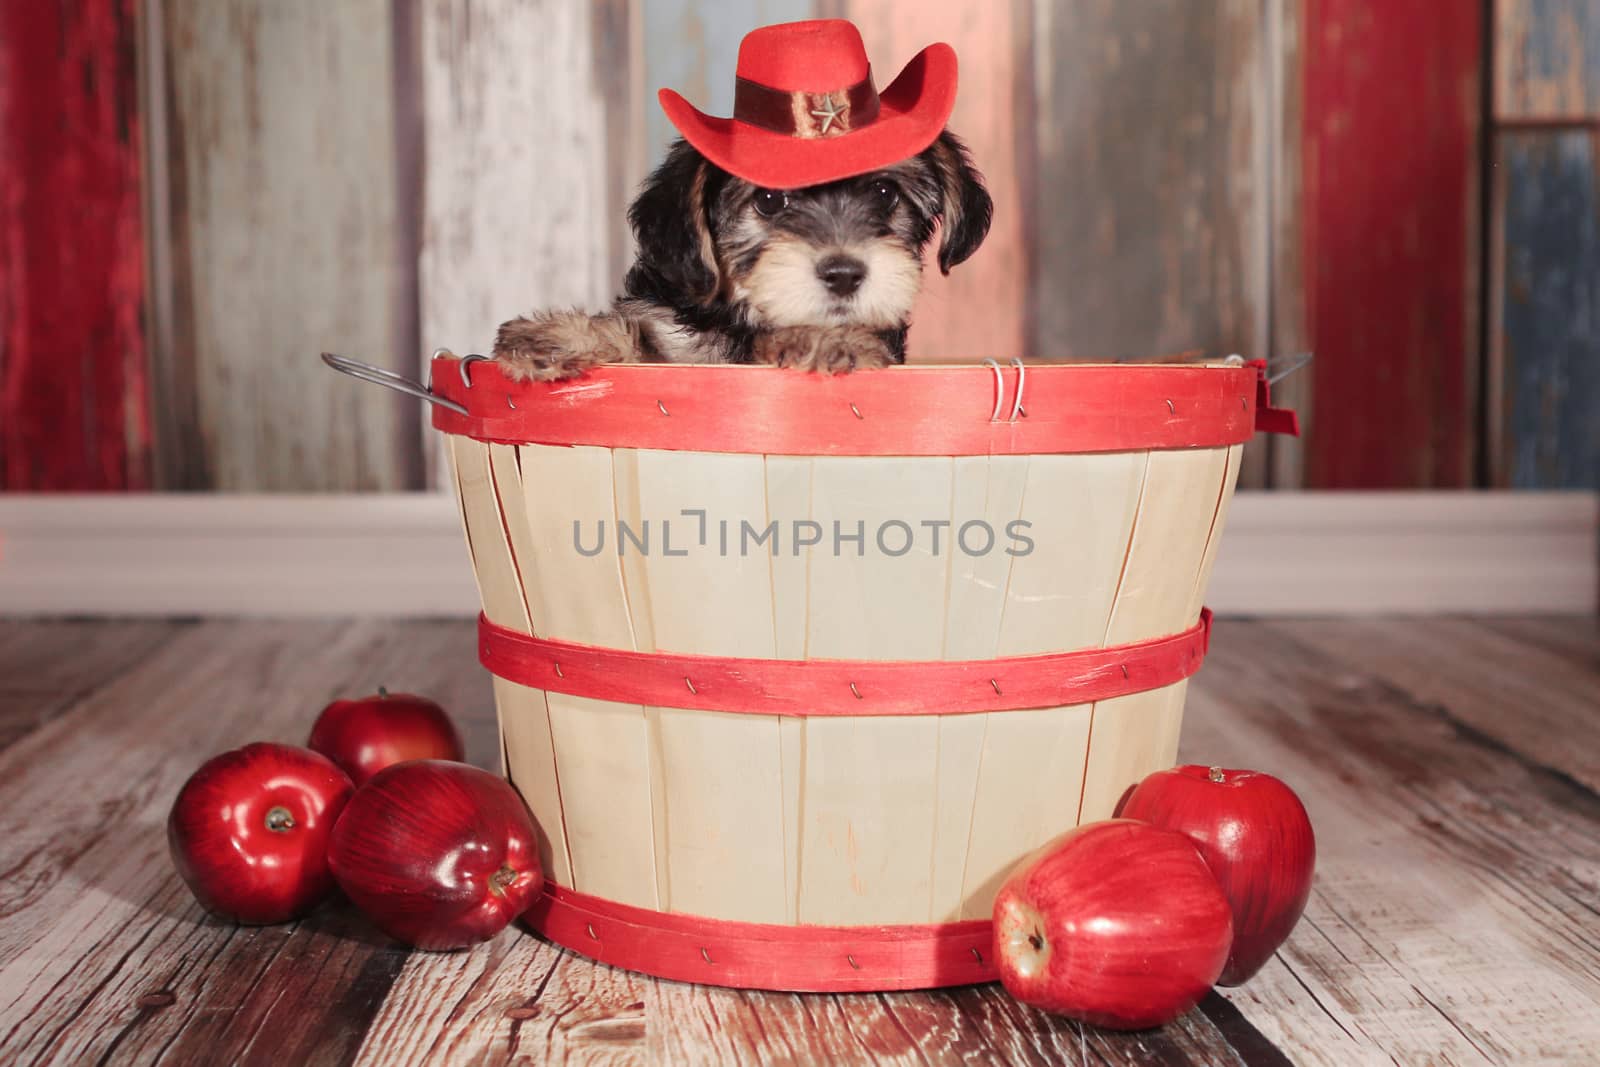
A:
[389,380]
[1295,362]
[1016,407]
[999,388]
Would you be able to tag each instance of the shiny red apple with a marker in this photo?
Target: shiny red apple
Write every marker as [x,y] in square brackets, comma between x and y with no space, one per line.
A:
[1116,923]
[249,831]
[1254,835]
[366,735]
[438,854]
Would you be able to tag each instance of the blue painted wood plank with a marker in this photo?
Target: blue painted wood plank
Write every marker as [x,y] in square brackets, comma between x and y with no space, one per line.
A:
[1550,317]
[1547,58]
[693,46]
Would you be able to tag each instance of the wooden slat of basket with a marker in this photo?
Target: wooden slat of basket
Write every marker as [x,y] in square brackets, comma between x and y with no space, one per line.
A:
[789,497]
[1182,491]
[717,778]
[1082,509]
[1214,542]
[574,597]
[507,474]
[868,803]
[1032,763]
[1133,735]
[1129,738]
[989,487]
[603,758]
[531,765]
[1027,793]
[496,571]
[601,749]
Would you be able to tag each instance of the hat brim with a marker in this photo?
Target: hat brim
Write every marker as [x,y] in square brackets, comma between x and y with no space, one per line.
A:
[911,113]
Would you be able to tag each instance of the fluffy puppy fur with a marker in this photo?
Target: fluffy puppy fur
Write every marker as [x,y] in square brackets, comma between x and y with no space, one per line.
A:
[820,278]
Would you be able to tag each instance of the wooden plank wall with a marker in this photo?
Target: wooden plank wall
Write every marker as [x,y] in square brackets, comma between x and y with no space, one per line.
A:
[73,398]
[383,176]
[1152,182]
[981,308]
[284,241]
[515,213]
[1392,115]
[1544,337]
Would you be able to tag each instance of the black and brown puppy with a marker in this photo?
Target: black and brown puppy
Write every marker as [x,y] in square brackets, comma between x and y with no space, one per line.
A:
[819,278]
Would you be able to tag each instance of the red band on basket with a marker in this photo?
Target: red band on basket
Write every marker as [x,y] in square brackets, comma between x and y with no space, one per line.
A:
[823,959]
[842,687]
[904,411]
[1268,418]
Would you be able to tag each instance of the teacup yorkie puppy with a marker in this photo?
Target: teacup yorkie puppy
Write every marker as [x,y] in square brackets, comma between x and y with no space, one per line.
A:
[818,276]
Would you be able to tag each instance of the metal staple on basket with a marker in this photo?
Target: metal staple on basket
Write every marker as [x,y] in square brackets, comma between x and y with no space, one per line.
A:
[466,362]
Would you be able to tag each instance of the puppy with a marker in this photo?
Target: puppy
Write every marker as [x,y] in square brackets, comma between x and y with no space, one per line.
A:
[819,278]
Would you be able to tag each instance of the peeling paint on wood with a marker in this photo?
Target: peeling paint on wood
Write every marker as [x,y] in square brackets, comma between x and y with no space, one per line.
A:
[1284,267]
[1149,196]
[1391,141]
[285,243]
[518,210]
[1549,311]
[977,311]
[693,46]
[1547,59]
[73,399]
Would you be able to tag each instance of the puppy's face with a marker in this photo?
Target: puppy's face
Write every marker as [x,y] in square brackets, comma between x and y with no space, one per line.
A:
[848,252]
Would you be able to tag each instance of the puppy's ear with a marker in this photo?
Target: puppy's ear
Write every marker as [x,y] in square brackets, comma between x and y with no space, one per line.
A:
[671,219]
[966,208]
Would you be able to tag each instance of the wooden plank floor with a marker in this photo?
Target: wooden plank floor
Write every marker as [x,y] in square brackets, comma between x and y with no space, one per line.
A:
[1452,768]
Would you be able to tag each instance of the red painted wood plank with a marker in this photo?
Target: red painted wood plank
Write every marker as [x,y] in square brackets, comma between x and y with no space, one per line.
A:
[1391,141]
[73,401]
[979,309]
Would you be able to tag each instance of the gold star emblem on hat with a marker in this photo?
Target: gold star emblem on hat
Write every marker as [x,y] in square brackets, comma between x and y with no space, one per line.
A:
[829,112]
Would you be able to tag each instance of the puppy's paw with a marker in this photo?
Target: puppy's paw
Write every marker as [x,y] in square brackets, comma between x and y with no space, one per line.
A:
[824,349]
[552,345]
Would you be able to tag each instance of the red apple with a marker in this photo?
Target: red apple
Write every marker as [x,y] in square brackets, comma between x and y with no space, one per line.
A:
[1256,838]
[249,831]
[366,735]
[438,854]
[1116,923]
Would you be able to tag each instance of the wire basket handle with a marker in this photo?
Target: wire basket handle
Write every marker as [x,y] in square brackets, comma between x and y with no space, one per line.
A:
[390,380]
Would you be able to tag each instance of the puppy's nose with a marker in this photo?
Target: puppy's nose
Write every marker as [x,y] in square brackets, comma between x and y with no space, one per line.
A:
[841,274]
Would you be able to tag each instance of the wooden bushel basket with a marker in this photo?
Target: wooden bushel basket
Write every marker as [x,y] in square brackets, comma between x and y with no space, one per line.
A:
[761,762]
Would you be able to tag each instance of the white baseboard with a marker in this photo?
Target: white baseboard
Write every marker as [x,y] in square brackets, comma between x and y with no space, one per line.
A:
[214,554]
[1409,553]
[403,554]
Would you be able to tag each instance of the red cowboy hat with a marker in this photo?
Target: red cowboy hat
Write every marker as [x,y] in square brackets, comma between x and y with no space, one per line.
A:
[805,110]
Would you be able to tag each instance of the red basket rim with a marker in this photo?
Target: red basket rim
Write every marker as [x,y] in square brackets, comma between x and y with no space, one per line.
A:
[967,410]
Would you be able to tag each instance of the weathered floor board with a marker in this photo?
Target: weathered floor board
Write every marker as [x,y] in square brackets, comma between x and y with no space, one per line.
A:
[1451,767]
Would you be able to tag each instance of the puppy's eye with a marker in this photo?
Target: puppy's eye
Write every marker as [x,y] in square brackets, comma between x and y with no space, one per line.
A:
[886,193]
[770,201]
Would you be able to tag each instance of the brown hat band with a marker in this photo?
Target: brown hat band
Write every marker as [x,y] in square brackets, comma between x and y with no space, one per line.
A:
[803,114]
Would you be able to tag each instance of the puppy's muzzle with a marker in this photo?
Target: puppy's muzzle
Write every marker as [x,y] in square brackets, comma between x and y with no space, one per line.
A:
[841,274]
